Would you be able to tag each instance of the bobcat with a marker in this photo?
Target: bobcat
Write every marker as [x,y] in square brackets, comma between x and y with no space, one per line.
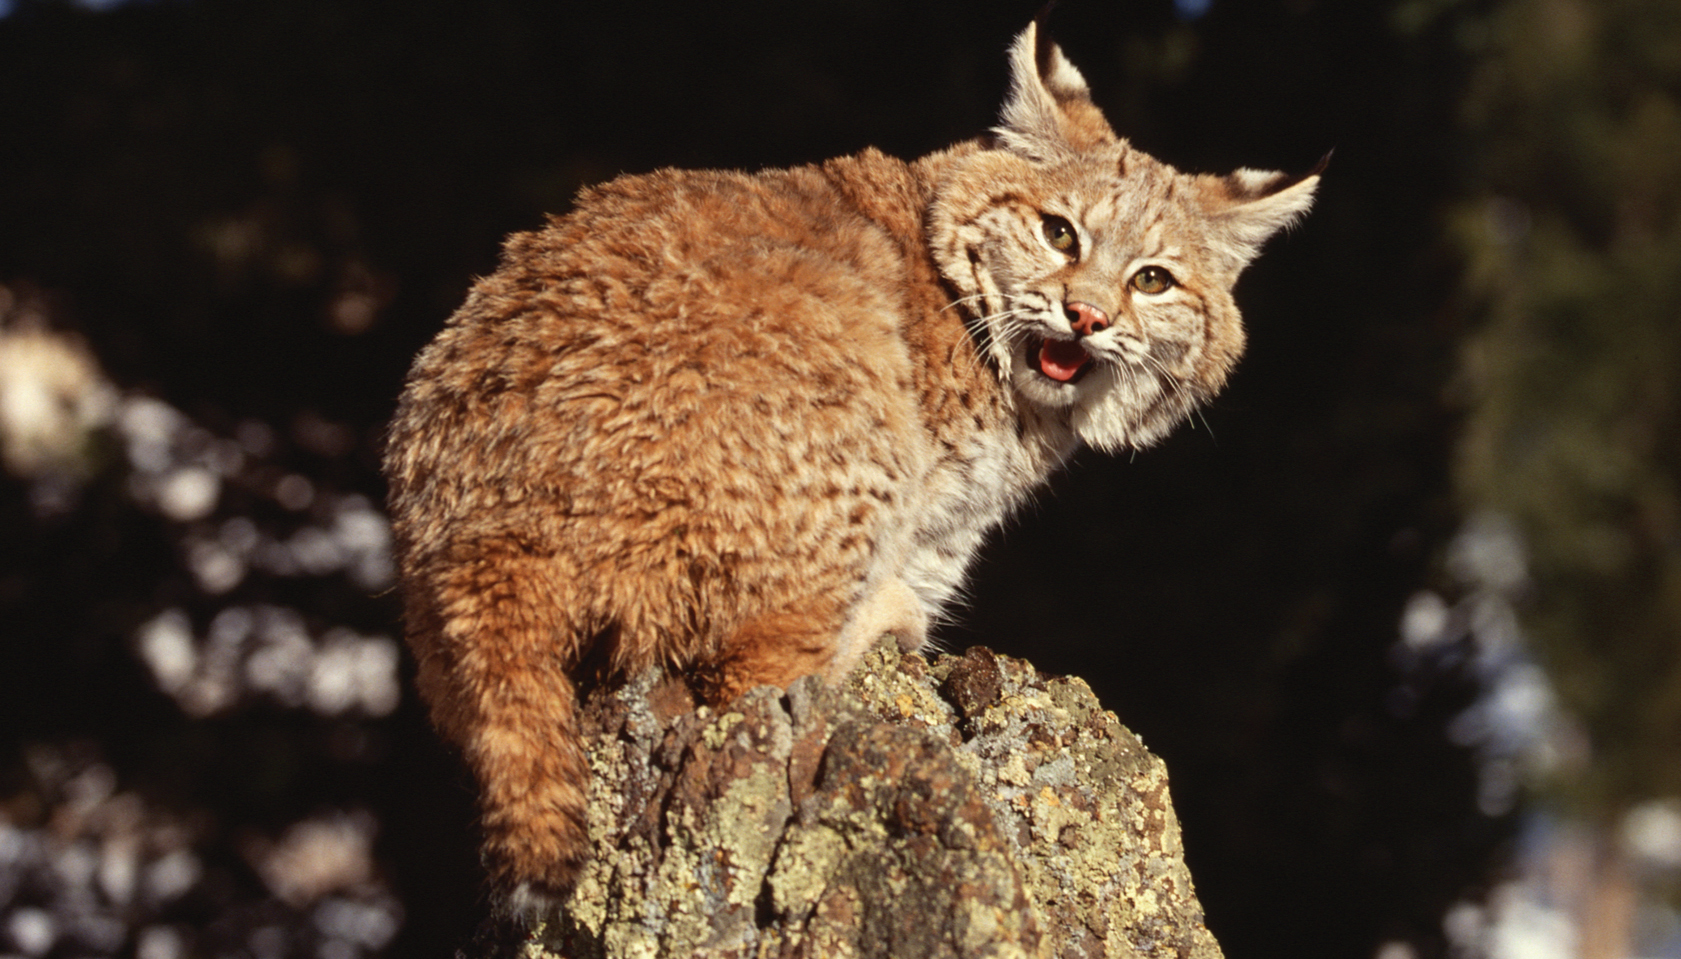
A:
[742,425]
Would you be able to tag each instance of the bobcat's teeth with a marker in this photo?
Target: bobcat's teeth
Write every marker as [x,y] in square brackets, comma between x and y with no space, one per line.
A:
[1062,360]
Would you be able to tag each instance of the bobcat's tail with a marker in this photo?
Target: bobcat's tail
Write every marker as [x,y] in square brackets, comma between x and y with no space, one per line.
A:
[495,649]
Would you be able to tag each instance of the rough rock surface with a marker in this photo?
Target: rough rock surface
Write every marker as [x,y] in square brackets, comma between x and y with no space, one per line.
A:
[964,808]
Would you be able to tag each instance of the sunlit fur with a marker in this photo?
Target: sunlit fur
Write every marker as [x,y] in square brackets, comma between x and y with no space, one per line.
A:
[1165,354]
[742,425]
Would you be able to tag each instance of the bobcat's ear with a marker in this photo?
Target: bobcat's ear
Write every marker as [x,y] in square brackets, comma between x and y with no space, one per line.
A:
[1249,206]
[1049,113]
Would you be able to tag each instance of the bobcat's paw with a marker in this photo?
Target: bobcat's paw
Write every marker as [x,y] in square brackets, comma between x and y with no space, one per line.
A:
[892,609]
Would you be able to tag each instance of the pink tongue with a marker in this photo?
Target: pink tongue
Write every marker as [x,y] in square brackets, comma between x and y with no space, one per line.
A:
[1061,359]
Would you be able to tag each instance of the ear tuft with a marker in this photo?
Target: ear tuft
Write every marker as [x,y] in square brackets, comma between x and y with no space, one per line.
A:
[1049,113]
[1253,205]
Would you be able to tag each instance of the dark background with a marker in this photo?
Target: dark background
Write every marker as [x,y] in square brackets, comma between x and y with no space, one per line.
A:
[1232,595]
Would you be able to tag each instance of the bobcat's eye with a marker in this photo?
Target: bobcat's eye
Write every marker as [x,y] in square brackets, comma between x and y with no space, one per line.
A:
[1153,280]
[1059,233]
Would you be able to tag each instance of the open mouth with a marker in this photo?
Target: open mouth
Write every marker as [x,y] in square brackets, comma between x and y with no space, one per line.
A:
[1062,360]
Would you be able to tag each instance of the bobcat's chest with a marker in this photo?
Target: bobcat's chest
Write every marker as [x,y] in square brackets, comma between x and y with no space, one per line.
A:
[985,450]
[964,495]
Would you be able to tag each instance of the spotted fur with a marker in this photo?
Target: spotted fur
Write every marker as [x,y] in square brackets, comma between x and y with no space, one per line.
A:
[741,425]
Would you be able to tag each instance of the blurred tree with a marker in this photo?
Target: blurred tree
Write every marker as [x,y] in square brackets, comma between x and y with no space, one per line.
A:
[1573,384]
[1574,378]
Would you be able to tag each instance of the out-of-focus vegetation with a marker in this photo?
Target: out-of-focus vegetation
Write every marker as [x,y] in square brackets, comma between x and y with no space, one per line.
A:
[227,225]
[1573,377]
[1572,436]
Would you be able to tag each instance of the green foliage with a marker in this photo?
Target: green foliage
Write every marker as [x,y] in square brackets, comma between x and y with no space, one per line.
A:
[1574,430]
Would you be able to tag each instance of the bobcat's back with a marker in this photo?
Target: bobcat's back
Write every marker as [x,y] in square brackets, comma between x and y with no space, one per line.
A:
[743,424]
[676,395]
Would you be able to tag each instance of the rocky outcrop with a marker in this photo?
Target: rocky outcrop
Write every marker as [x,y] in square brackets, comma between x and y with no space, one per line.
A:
[965,808]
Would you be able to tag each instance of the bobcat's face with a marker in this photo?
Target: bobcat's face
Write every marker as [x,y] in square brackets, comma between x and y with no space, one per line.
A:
[1099,290]
[1100,278]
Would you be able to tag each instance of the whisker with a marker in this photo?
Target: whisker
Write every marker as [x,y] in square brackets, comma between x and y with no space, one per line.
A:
[981,296]
[1177,386]
[1172,381]
[996,334]
[980,321]
[1010,324]
[1197,415]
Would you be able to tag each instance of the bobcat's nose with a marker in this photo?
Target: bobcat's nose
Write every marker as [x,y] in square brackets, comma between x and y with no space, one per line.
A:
[1087,319]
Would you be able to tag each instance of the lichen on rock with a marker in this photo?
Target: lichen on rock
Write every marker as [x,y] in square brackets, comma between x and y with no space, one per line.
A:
[968,807]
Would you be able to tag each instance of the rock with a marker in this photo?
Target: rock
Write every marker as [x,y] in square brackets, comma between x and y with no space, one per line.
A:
[965,808]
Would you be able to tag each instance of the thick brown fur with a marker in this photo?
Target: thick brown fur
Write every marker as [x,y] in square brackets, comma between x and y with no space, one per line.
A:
[740,425]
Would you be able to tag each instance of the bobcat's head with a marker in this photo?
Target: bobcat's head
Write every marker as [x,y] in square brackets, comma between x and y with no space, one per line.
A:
[1100,276]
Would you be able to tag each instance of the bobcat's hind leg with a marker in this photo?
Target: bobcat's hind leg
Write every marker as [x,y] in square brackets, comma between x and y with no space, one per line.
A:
[820,636]
[776,648]
[498,686]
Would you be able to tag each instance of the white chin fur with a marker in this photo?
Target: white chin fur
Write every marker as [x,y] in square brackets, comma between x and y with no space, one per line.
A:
[1104,405]
[1111,417]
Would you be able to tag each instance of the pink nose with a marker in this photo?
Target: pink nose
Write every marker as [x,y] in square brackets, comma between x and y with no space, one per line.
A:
[1087,319]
